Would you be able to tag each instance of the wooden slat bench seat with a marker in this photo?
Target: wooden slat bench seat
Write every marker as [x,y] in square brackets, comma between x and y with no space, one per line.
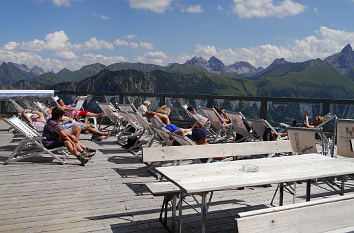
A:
[162,188]
[329,214]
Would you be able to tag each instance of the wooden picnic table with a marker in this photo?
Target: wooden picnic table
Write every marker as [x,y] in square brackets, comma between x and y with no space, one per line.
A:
[207,178]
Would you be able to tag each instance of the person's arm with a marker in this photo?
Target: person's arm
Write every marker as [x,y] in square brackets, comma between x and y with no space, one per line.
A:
[24,115]
[163,117]
[66,136]
[306,122]
[40,114]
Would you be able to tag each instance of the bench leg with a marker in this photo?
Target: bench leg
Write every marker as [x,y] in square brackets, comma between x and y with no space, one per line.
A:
[308,190]
[203,212]
[342,186]
[180,211]
[281,194]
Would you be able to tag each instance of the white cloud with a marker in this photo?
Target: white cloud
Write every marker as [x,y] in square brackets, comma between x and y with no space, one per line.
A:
[157,57]
[120,42]
[10,45]
[68,55]
[266,8]
[130,36]
[62,2]
[324,43]
[157,6]
[206,50]
[193,9]
[103,17]
[133,45]
[219,7]
[146,45]
[94,44]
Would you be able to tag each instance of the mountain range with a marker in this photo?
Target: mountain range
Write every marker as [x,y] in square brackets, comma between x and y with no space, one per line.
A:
[332,77]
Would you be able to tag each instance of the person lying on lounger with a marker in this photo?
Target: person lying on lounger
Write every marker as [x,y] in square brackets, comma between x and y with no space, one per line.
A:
[163,112]
[37,120]
[74,112]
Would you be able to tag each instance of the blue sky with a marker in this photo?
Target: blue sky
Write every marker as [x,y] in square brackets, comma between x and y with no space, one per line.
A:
[56,34]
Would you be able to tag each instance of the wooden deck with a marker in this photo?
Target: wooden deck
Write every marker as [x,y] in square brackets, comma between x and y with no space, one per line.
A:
[107,195]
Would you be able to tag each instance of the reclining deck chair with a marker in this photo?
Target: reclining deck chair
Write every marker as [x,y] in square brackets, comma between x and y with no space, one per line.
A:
[109,111]
[87,119]
[132,124]
[126,107]
[31,145]
[79,102]
[223,130]
[260,126]
[238,124]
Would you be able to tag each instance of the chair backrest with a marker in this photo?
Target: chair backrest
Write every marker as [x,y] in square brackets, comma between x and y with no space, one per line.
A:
[183,141]
[160,154]
[237,123]
[41,108]
[125,107]
[79,101]
[302,140]
[55,99]
[108,111]
[142,121]
[18,107]
[260,127]
[213,118]
[131,121]
[332,214]
[156,121]
[345,137]
[328,117]
[163,134]
[22,127]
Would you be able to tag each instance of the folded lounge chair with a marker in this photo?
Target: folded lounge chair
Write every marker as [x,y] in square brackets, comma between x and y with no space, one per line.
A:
[31,145]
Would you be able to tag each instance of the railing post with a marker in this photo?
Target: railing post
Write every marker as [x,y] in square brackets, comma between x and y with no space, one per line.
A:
[210,103]
[263,109]
[2,106]
[325,108]
[120,99]
[162,100]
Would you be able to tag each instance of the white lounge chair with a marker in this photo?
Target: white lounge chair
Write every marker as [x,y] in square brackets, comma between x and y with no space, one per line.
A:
[31,145]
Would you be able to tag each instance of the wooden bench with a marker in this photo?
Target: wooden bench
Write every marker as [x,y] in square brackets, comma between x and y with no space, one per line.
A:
[329,214]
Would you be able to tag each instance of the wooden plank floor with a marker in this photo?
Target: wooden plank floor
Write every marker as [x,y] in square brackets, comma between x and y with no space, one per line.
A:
[107,195]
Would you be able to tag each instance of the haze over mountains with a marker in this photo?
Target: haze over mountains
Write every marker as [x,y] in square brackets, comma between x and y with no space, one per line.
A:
[331,78]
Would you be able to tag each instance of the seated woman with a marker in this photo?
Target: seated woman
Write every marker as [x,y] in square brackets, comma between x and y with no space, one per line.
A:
[163,112]
[223,115]
[74,112]
[316,121]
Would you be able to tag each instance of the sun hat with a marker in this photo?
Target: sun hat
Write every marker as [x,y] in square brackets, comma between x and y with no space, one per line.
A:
[199,133]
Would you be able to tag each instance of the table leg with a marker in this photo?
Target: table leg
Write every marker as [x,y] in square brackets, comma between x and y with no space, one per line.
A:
[174,200]
[308,190]
[342,186]
[180,211]
[203,212]
[281,194]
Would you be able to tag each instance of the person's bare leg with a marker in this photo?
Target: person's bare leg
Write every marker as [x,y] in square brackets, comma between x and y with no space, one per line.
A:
[179,132]
[95,131]
[90,114]
[76,131]
[71,148]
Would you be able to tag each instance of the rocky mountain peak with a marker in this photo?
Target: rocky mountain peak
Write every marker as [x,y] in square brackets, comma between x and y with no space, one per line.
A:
[242,67]
[343,61]
[216,65]
[36,70]
[198,61]
[347,49]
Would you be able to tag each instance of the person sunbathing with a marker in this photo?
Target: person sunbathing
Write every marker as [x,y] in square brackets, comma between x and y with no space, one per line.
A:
[201,119]
[163,113]
[316,121]
[74,112]
[37,120]
[55,136]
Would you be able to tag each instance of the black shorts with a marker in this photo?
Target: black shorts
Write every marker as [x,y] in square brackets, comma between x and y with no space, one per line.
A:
[56,144]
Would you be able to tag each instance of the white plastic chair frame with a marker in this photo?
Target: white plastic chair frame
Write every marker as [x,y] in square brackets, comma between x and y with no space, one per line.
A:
[32,141]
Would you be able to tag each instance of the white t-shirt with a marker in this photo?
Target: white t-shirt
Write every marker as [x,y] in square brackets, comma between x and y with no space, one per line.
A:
[142,109]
